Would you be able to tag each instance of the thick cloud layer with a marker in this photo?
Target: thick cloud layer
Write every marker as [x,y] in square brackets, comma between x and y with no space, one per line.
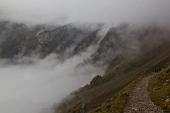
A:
[34,88]
[108,11]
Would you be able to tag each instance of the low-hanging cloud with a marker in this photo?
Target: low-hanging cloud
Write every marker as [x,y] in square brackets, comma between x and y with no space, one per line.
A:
[92,11]
[35,87]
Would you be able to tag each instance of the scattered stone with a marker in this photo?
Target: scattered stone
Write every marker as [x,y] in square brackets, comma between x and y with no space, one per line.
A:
[96,80]
[167,100]
[135,109]
[157,88]
[165,84]
[167,80]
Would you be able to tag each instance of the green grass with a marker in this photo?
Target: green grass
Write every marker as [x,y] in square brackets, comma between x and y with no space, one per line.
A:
[159,88]
[118,102]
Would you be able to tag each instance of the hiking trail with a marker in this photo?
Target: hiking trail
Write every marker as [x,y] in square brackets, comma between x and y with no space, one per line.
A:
[139,99]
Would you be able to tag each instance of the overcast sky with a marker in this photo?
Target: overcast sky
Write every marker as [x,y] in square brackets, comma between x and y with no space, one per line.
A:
[109,11]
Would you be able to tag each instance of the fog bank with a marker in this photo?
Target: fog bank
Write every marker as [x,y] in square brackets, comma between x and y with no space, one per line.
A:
[35,87]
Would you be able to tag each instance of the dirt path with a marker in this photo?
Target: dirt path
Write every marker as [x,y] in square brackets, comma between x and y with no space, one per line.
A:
[139,100]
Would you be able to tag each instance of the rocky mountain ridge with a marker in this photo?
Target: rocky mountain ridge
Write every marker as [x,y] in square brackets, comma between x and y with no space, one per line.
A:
[128,51]
[19,40]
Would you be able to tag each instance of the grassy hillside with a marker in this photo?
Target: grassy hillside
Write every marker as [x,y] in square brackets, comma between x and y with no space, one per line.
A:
[159,88]
[118,101]
[109,92]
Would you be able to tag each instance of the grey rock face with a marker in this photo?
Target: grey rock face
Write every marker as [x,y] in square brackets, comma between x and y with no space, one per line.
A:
[118,43]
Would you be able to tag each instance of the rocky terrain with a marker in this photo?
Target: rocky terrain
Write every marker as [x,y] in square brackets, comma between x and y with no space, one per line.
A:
[104,93]
[128,51]
[139,100]
[19,40]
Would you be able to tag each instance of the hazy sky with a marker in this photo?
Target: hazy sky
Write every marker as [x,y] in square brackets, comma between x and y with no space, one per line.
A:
[114,11]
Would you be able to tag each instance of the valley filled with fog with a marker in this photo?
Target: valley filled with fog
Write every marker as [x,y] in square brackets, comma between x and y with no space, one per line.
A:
[53,49]
[36,87]
[40,66]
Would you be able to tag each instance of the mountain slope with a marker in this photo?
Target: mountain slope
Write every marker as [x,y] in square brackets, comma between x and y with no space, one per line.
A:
[128,51]
[20,40]
[116,77]
[159,88]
